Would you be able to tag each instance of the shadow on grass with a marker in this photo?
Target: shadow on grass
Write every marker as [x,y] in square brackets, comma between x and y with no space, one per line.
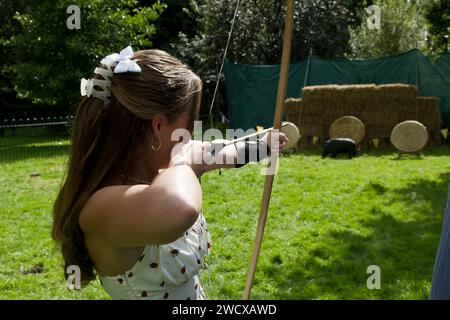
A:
[405,250]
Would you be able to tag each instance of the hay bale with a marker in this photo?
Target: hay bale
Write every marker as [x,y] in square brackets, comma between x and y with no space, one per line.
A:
[294,118]
[409,136]
[381,117]
[313,130]
[389,111]
[428,113]
[407,116]
[292,110]
[356,93]
[324,92]
[350,107]
[378,131]
[312,120]
[396,105]
[315,106]
[348,127]
[398,91]
[346,93]
[292,105]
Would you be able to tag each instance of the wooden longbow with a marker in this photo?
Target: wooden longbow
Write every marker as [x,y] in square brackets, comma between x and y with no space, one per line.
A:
[268,184]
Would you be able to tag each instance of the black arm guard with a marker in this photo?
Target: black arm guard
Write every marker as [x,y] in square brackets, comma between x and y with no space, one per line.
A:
[251,151]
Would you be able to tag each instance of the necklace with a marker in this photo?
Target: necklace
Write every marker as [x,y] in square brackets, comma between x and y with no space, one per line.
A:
[134,179]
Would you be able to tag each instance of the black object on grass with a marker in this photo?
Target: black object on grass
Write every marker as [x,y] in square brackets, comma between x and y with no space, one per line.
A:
[341,145]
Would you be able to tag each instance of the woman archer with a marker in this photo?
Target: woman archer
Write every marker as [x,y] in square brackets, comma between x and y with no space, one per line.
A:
[129,209]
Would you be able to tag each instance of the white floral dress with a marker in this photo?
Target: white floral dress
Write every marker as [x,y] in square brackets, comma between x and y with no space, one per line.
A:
[169,271]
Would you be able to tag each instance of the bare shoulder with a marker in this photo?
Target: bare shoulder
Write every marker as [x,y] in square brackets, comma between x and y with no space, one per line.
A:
[102,201]
[133,216]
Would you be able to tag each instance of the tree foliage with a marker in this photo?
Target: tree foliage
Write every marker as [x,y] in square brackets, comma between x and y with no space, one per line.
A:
[321,28]
[8,27]
[175,18]
[49,59]
[437,14]
[402,29]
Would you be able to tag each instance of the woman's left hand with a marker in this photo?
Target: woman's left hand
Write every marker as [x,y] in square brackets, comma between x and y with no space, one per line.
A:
[275,140]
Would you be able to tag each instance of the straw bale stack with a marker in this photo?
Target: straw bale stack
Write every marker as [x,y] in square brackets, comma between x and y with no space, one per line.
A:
[398,91]
[292,110]
[380,108]
[428,113]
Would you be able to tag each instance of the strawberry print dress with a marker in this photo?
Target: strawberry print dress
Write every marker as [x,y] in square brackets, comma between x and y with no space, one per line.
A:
[169,271]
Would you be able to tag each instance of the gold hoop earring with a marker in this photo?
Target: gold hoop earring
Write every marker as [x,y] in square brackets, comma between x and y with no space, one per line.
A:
[159,145]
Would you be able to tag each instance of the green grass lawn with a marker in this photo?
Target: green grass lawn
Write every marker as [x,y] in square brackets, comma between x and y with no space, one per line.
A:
[328,221]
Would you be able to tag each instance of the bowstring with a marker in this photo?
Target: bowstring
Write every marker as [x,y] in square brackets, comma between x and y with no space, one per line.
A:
[219,75]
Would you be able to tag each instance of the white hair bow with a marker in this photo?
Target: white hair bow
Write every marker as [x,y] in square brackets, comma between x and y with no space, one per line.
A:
[86,88]
[122,61]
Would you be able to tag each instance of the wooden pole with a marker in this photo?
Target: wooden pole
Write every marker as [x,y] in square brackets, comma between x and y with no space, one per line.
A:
[281,97]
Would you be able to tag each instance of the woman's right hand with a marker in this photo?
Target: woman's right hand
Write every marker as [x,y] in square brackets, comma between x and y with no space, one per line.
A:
[192,153]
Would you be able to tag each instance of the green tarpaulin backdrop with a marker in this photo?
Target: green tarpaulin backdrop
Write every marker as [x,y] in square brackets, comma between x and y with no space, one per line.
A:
[252,89]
